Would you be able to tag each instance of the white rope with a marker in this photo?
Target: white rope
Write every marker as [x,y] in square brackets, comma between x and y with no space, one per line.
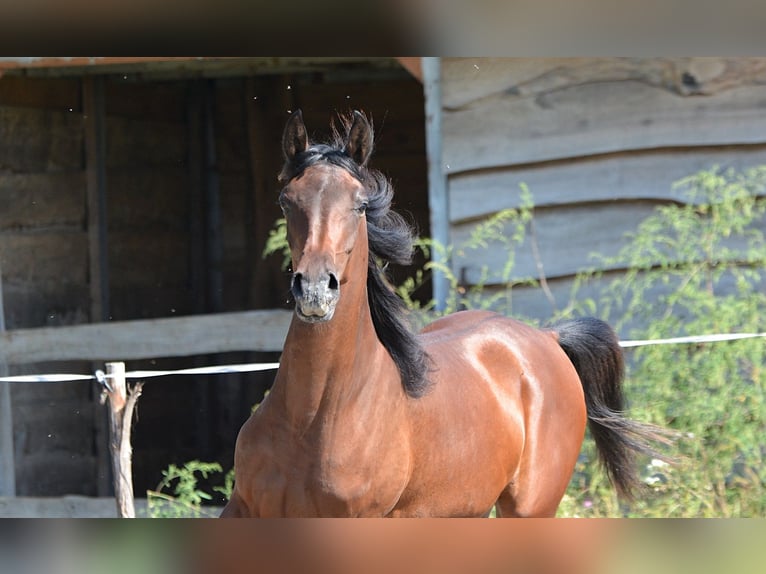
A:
[254,367]
[692,339]
[223,369]
[46,378]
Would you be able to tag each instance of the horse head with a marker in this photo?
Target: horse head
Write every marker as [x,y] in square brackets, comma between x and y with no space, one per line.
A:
[324,203]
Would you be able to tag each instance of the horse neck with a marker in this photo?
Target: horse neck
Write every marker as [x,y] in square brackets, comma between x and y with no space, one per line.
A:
[327,364]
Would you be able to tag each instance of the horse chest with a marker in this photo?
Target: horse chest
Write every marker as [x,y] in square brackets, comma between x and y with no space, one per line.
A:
[312,477]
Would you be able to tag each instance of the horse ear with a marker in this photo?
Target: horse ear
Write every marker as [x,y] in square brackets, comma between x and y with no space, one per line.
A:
[360,141]
[294,138]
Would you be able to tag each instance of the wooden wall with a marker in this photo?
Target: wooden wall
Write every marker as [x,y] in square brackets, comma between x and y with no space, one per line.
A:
[170,251]
[599,142]
[44,264]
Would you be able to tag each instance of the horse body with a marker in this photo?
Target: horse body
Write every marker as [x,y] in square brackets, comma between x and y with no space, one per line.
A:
[366,418]
[360,448]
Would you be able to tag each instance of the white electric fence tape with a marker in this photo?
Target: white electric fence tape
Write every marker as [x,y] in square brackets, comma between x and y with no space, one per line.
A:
[691,339]
[252,367]
[245,368]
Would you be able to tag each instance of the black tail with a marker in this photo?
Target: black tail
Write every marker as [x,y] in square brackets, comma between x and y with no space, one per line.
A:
[594,349]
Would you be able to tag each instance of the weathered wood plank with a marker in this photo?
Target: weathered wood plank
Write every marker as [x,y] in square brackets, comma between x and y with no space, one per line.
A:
[53,93]
[597,118]
[469,80]
[67,507]
[403,101]
[647,175]
[231,148]
[144,143]
[148,198]
[175,337]
[532,304]
[164,257]
[145,301]
[566,239]
[55,255]
[53,421]
[40,200]
[230,126]
[138,100]
[34,140]
[50,302]
[56,473]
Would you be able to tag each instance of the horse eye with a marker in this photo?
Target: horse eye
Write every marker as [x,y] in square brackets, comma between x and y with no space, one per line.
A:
[362,208]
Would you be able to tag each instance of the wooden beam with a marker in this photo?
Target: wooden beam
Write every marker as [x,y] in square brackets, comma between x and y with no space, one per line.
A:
[195,194]
[129,340]
[94,114]
[95,165]
[7,459]
[212,203]
[413,66]
[438,202]
[197,142]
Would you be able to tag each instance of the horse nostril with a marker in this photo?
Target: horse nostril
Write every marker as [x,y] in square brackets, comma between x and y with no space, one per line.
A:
[333,283]
[297,287]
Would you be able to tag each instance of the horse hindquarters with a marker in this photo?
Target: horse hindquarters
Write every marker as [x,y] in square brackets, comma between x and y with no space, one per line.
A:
[555,426]
[514,403]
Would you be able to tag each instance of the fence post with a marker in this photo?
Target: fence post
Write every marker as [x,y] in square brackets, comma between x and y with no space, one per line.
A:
[7,464]
[122,402]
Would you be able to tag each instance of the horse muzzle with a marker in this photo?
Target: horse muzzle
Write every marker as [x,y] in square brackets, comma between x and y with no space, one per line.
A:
[315,299]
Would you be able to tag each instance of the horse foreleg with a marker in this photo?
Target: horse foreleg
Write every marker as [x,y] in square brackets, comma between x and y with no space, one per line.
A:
[235,508]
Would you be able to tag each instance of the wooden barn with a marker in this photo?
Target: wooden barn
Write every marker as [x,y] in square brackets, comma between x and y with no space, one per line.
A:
[145,190]
[599,143]
[142,189]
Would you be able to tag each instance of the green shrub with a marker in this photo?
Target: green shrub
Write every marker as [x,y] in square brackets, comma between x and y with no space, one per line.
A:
[504,230]
[178,494]
[693,268]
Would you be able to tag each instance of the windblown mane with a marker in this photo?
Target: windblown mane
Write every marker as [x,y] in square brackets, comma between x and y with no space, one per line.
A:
[390,240]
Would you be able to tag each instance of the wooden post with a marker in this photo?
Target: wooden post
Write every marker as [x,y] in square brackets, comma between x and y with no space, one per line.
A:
[94,111]
[7,461]
[438,203]
[122,402]
[94,115]
[195,194]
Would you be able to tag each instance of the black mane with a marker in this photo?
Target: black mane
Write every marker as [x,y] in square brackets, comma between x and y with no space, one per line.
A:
[390,240]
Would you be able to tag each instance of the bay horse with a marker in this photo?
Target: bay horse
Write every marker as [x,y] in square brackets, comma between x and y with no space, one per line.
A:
[367,418]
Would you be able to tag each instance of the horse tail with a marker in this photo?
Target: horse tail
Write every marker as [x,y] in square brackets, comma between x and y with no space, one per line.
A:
[594,349]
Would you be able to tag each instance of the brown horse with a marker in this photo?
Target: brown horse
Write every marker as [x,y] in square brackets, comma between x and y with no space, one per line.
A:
[366,418]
